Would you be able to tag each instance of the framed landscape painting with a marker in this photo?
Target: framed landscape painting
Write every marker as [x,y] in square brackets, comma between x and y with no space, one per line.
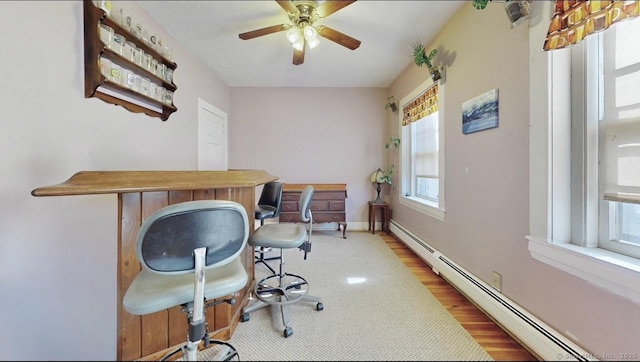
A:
[480,113]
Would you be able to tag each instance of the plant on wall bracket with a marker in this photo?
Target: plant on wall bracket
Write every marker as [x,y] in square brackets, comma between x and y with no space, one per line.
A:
[421,58]
[391,103]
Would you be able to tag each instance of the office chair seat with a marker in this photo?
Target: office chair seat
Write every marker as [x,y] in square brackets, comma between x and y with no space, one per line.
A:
[151,292]
[279,236]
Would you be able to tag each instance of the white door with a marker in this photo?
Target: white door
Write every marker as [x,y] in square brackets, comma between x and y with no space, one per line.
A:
[212,137]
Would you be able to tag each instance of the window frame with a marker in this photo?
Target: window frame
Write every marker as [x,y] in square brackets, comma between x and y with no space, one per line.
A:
[549,239]
[407,184]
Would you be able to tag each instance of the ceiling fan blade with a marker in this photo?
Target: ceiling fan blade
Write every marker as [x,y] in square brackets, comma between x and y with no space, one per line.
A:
[288,6]
[338,37]
[264,31]
[298,55]
[329,7]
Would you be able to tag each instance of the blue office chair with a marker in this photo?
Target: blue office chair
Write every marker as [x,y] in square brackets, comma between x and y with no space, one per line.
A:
[190,257]
[284,288]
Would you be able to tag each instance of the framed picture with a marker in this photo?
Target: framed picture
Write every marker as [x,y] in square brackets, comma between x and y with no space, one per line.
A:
[480,113]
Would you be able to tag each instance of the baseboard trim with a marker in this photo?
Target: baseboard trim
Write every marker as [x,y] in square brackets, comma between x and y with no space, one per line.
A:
[541,339]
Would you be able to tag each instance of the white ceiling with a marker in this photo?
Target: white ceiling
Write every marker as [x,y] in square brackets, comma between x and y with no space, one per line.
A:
[209,29]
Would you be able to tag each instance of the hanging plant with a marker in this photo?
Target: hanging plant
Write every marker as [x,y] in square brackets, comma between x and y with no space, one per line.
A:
[388,175]
[383,177]
[395,141]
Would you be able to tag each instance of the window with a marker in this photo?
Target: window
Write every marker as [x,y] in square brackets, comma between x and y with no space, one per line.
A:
[585,158]
[421,152]
[620,135]
[424,168]
[605,118]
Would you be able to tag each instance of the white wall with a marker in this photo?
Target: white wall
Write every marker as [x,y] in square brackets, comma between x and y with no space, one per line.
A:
[312,135]
[58,254]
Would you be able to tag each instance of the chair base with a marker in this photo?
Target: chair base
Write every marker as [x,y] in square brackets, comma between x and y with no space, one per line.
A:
[290,288]
[220,351]
[284,311]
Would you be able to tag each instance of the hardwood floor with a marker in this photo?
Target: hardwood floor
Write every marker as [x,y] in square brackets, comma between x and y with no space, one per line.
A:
[495,341]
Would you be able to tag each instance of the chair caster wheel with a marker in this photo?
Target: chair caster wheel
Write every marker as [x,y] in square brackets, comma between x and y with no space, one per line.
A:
[288,331]
[319,306]
[244,317]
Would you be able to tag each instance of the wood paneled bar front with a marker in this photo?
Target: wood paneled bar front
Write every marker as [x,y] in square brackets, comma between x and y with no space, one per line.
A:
[140,193]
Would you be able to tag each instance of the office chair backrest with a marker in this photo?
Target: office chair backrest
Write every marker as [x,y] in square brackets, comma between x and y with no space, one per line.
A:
[169,236]
[272,196]
[305,203]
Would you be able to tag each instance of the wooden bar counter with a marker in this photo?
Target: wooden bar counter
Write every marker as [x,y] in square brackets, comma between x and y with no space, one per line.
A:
[140,193]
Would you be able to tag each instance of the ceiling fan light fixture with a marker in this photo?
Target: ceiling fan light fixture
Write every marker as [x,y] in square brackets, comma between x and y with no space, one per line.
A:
[311,35]
[310,32]
[293,34]
[298,44]
[313,43]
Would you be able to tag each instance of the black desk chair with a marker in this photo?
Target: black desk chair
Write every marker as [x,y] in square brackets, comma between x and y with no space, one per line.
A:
[269,206]
[284,288]
[190,255]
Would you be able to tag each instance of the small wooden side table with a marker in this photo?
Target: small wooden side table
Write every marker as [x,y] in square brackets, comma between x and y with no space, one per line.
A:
[385,215]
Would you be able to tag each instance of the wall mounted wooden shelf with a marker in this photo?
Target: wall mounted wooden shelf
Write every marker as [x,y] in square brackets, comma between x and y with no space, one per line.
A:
[97,85]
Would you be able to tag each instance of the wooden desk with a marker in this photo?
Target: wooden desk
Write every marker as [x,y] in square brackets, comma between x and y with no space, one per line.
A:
[327,204]
[140,193]
[384,218]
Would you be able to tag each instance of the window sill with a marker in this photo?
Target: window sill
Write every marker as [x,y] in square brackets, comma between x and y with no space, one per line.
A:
[423,206]
[614,272]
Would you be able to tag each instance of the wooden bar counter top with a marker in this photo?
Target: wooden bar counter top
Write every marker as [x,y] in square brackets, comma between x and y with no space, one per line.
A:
[109,182]
[141,193]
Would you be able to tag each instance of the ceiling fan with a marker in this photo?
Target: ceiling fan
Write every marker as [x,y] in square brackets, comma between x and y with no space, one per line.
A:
[302,32]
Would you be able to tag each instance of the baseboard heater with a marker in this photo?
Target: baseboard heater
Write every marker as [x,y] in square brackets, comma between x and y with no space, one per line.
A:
[541,339]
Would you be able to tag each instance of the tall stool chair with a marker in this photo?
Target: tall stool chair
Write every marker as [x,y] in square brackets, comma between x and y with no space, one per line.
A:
[284,288]
[190,256]
[269,206]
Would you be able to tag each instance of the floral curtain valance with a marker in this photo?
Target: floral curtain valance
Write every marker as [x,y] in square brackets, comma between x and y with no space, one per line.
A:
[573,20]
[421,106]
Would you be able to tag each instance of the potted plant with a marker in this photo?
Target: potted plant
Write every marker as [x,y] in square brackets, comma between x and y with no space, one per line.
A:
[391,103]
[421,58]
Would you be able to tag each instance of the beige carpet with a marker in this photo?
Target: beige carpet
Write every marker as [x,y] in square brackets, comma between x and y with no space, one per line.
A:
[374,309]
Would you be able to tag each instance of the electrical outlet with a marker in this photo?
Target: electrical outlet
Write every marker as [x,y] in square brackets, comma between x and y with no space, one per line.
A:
[496,281]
